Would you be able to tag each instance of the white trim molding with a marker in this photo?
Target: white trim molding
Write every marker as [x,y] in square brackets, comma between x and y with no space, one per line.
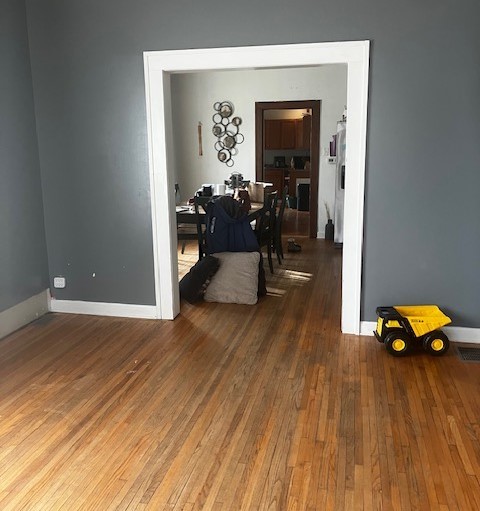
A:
[159,65]
[462,334]
[123,310]
[455,333]
[367,327]
[23,313]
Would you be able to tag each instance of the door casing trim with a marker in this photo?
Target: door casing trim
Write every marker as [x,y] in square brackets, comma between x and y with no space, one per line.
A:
[158,65]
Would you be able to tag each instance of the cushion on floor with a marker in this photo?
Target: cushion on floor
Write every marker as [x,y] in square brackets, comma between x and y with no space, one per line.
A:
[236,281]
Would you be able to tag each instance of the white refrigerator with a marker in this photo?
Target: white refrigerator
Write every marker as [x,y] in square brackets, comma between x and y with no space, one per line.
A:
[339,183]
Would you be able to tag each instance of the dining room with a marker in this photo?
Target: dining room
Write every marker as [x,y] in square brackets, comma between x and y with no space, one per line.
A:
[214,138]
[195,159]
[210,146]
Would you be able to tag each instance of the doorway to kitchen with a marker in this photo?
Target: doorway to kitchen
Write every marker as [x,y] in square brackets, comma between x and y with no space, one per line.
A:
[287,153]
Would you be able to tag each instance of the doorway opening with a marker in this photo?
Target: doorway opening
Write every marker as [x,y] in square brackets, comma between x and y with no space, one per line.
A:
[159,65]
[297,137]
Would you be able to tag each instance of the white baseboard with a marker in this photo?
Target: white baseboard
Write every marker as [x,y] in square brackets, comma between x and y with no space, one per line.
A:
[455,333]
[23,313]
[123,310]
[462,334]
[367,327]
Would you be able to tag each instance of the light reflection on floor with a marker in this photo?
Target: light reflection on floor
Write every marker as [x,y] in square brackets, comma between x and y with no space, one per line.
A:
[287,278]
[298,275]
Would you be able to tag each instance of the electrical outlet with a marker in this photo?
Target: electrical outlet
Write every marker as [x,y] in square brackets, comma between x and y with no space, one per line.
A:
[59,282]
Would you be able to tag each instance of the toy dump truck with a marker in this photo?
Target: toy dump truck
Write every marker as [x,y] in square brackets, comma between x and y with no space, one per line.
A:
[399,327]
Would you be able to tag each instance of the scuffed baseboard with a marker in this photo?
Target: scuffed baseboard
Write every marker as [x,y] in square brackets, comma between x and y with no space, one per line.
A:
[455,333]
[123,310]
[23,313]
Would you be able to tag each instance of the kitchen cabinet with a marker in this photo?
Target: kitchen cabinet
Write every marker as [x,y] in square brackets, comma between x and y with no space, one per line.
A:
[289,138]
[276,177]
[294,175]
[303,128]
[288,133]
[283,176]
[299,143]
[280,134]
[273,134]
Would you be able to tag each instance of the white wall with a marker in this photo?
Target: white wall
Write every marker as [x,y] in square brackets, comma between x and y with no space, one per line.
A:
[193,96]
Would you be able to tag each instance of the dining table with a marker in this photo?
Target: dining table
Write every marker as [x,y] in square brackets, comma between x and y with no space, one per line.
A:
[186,213]
[188,228]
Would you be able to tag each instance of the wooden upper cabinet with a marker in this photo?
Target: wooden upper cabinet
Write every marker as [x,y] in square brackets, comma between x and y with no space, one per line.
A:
[303,128]
[273,134]
[280,134]
[299,142]
[288,133]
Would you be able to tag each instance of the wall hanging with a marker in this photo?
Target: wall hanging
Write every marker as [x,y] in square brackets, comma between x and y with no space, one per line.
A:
[227,130]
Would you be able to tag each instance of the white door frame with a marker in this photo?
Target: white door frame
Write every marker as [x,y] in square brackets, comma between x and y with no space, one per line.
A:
[159,65]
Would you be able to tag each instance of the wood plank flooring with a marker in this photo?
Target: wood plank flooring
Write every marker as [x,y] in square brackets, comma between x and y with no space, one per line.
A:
[295,223]
[234,407]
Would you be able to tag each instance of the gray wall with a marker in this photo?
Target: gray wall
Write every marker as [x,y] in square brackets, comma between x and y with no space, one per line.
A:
[23,255]
[422,235]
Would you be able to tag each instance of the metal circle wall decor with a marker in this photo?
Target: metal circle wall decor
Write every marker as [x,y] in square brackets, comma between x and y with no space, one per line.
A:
[227,131]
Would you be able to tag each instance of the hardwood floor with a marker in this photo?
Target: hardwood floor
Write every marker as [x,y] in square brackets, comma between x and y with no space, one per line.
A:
[296,223]
[233,407]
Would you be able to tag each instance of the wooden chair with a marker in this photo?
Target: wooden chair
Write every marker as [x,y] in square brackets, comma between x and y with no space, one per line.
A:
[265,226]
[277,239]
[186,231]
[200,205]
[191,225]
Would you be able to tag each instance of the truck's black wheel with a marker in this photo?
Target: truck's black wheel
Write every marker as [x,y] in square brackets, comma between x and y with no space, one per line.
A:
[436,343]
[398,343]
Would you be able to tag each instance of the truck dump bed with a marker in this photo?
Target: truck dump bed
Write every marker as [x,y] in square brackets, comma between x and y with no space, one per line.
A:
[423,318]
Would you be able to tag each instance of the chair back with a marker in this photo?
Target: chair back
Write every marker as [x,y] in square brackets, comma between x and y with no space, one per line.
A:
[279,219]
[266,225]
[200,205]
[277,241]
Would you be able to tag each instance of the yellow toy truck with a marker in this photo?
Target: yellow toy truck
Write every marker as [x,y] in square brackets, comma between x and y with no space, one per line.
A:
[398,326]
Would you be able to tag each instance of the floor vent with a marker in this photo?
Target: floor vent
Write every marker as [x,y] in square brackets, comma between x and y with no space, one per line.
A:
[469,354]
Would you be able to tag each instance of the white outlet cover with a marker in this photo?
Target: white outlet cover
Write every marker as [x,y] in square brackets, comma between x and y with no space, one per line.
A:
[59,282]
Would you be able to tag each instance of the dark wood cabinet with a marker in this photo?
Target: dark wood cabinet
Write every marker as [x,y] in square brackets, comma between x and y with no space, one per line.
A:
[273,134]
[276,177]
[281,177]
[299,143]
[294,175]
[303,128]
[281,134]
[289,137]
[288,133]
